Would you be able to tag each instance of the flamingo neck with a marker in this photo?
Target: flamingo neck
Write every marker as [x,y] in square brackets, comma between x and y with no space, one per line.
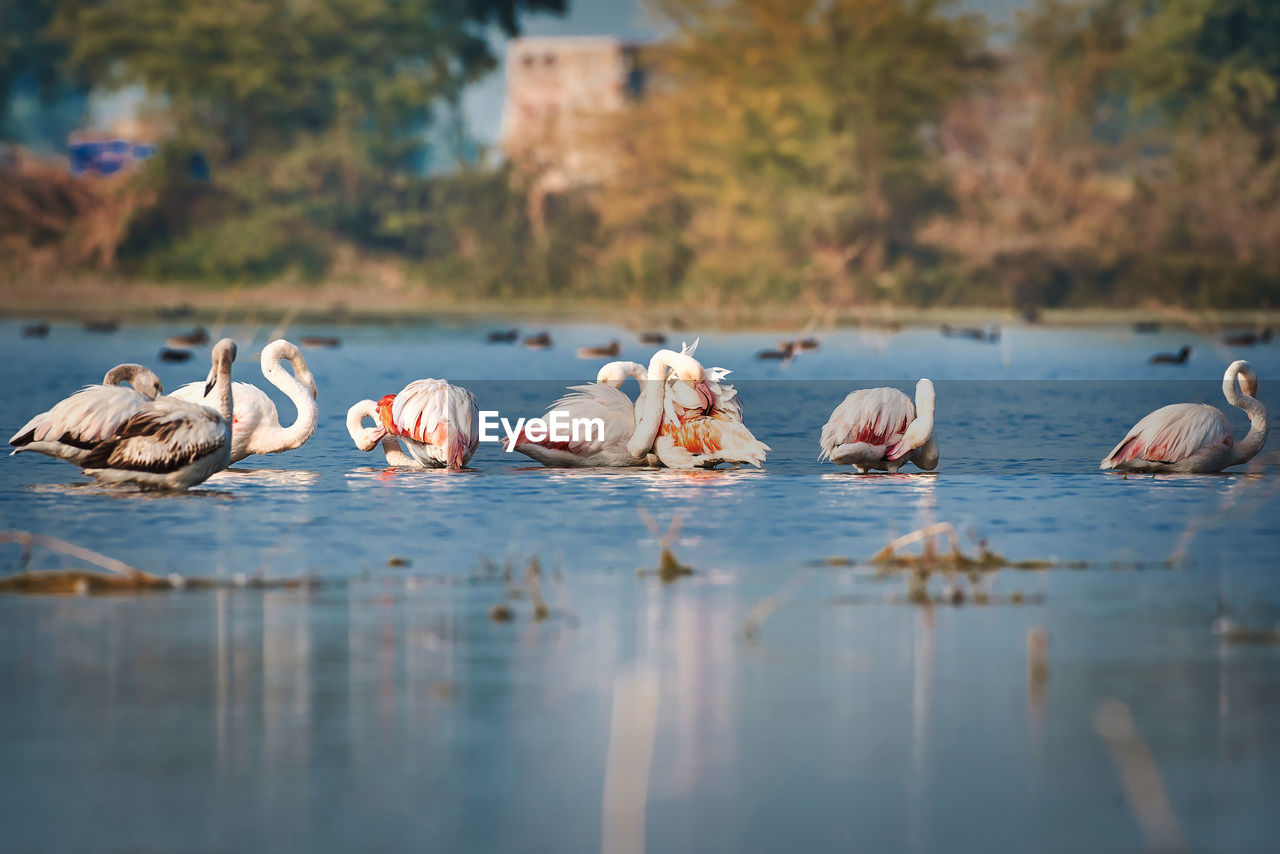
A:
[649,405]
[395,455]
[222,392]
[925,402]
[366,438]
[304,426]
[1248,447]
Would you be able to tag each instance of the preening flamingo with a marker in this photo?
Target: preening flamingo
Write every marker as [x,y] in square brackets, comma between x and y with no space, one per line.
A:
[255,426]
[1195,437]
[437,422]
[171,443]
[604,400]
[704,428]
[879,428]
[73,426]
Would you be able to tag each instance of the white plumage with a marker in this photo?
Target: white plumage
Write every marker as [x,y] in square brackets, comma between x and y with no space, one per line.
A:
[76,424]
[1194,437]
[606,447]
[702,424]
[438,423]
[880,428]
[171,443]
[255,424]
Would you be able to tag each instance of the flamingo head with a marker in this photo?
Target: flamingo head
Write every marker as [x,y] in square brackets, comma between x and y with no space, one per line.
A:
[143,380]
[616,373]
[456,450]
[303,375]
[1248,380]
[365,438]
[224,353]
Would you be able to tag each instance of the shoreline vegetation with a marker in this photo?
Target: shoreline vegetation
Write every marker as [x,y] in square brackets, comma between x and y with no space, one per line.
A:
[339,303]
[771,159]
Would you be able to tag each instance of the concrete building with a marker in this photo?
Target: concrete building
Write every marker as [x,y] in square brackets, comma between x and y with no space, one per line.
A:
[555,89]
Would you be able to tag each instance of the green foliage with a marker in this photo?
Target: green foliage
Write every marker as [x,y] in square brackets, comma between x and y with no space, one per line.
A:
[824,152]
[785,147]
[1212,59]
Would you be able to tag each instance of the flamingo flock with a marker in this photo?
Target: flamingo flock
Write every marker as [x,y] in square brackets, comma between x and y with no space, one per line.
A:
[683,416]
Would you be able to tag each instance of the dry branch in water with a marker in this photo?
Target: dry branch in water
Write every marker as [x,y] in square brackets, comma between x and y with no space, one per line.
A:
[120,576]
[27,540]
[668,568]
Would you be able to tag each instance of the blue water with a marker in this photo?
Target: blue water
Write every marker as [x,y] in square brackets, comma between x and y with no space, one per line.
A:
[383,709]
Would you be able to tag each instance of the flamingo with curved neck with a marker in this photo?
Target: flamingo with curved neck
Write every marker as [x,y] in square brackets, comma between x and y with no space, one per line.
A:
[256,427]
[142,378]
[171,443]
[435,421]
[70,429]
[367,438]
[1195,437]
[881,429]
[690,386]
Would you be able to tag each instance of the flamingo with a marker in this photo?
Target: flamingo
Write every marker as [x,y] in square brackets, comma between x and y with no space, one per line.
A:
[706,429]
[879,428]
[437,422]
[170,443]
[255,425]
[73,426]
[1195,437]
[604,399]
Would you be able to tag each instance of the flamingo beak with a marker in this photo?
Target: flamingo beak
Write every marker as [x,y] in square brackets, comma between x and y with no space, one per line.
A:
[208,386]
[457,452]
[704,395]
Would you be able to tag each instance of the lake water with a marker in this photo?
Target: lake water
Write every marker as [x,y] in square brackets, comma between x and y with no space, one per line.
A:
[383,708]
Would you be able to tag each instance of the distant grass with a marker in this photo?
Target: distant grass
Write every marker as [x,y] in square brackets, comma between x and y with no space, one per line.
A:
[342,302]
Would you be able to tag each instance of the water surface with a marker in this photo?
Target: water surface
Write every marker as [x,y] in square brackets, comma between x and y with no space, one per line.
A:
[384,709]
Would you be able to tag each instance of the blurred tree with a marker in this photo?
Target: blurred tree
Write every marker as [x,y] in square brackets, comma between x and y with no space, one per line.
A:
[29,56]
[310,115]
[785,143]
[1209,60]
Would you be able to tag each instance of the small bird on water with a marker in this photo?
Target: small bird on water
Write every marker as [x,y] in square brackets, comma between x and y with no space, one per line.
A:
[1172,358]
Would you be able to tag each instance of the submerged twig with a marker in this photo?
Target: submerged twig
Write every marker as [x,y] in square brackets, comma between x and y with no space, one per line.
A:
[27,540]
[756,616]
[1142,784]
[669,568]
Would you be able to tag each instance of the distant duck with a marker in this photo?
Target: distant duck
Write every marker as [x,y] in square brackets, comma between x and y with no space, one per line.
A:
[786,349]
[328,341]
[171,443]
[1172,358]
[168,354]
[1147,326]
[1248,339]
[104,326]
[652,338]
[35,330]
[538,341]
[197,337]
[502,336]
[607,351]
[974,333]
[74,425]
